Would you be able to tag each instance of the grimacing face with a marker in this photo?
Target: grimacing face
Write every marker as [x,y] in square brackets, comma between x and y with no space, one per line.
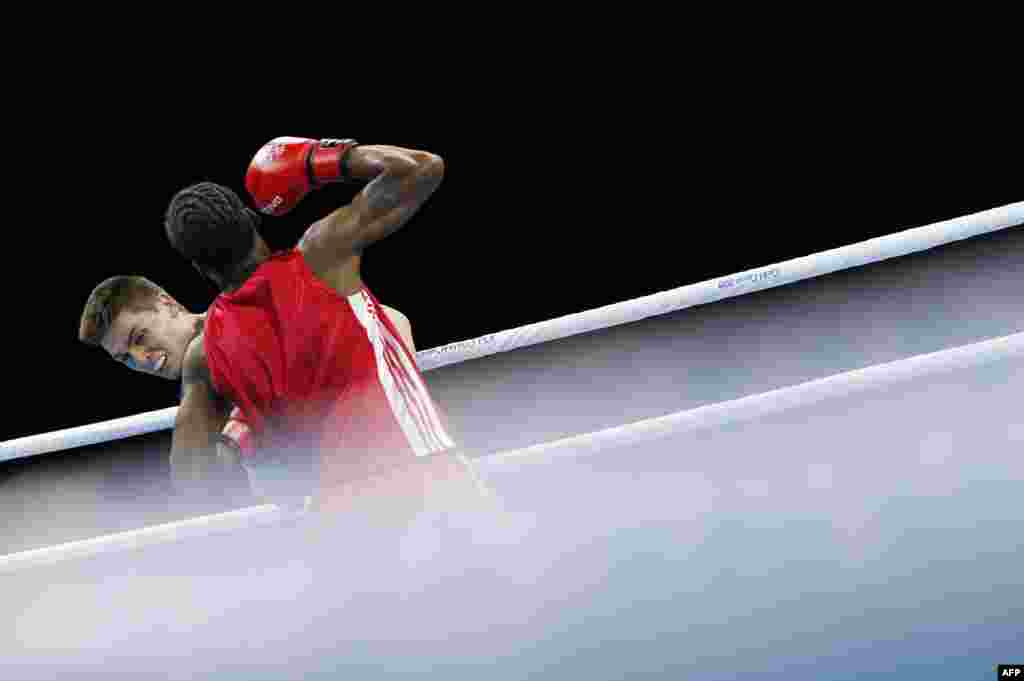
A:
[152,341]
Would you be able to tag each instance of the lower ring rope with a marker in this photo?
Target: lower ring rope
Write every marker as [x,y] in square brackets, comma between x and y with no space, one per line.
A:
[708,416]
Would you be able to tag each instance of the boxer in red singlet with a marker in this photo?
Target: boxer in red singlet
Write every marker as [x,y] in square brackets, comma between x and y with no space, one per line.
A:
[143,327]
[299,344]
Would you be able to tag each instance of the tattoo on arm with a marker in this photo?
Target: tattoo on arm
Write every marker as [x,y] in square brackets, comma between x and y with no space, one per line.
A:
[384,193]
[386,203]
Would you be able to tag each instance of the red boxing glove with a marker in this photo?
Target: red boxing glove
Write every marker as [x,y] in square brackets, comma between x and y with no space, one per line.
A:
[236,434]
[288,168]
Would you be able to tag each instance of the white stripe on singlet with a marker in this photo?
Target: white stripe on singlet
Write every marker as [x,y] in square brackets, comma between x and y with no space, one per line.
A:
[410,402]
[419,389]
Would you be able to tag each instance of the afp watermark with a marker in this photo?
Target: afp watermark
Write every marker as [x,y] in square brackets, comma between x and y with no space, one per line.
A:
[1010,671]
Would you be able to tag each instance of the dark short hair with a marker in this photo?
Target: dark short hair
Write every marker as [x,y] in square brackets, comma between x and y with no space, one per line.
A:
[209,224]
[107,301]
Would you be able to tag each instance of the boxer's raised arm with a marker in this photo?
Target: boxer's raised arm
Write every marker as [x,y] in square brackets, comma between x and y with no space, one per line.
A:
[400,182]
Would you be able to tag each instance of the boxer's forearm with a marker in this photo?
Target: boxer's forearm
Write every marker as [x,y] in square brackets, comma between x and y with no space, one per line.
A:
[196,464]
[207,476]
[194,468]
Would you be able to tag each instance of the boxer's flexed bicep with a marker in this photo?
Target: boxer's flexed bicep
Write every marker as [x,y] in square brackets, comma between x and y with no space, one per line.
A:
[402,181]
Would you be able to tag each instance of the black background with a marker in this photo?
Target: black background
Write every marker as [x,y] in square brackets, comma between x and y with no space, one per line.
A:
[574,179]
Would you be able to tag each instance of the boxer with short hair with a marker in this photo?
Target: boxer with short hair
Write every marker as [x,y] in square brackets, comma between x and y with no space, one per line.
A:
[139,325]
[143,327]
[298,342]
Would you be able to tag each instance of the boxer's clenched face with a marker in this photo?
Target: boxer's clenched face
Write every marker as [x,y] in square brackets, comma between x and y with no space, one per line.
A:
[152,340]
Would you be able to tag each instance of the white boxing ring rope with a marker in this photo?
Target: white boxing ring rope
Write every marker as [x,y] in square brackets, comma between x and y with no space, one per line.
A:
[770,276]
[763,404]
[714,415]
[709,416]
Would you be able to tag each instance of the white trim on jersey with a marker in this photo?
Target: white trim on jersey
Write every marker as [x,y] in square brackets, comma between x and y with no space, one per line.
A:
[418,390]
[406,393]
[418,387]
[419,410]
[403,387]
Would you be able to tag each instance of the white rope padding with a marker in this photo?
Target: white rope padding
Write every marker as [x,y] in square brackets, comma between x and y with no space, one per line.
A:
[147,536]
[710,416]
[764,404]
[770,276]
[94,433]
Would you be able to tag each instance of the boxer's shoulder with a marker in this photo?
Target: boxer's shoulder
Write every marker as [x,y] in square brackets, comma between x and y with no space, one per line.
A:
[344,276]
[195,367]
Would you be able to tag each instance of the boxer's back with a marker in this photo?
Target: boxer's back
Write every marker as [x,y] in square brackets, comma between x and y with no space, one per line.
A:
[313,369]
